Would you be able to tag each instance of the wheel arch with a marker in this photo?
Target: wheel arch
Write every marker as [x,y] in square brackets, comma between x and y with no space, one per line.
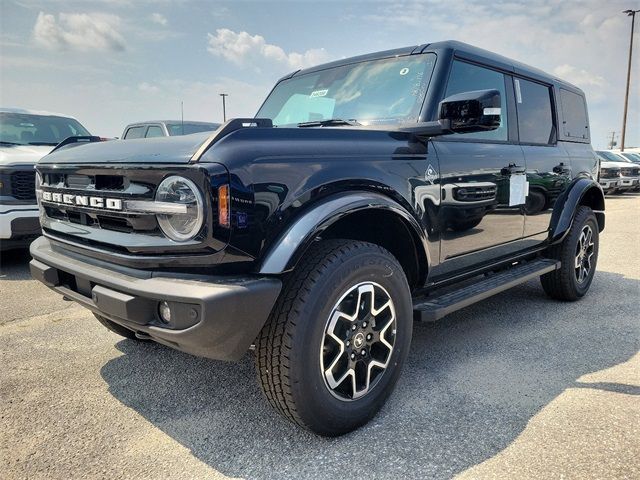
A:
[583,191]
[364,216]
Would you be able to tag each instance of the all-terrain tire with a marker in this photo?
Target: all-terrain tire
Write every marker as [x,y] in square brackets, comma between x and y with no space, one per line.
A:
[564,283]
[289,348]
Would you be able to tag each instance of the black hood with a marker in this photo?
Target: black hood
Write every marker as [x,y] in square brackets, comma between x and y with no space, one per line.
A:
[177,149]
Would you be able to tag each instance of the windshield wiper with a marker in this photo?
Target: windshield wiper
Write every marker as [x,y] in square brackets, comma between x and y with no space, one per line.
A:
[43,143]
[10,143]
[333,122]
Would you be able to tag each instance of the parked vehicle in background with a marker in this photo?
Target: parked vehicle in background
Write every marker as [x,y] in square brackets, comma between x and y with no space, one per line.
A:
[166,128]
[25,137]
[609,177]
[632,157]
[629,171]
[366,193]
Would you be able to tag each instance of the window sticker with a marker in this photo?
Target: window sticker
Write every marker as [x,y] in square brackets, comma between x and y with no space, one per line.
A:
[518,92]
[318,93]
[404,71]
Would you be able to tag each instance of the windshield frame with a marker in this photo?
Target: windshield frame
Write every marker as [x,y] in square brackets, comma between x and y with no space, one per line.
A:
[364,123]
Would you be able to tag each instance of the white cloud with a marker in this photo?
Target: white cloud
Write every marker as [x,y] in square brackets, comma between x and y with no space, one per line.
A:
[148,88]
[579,76]
[79,31]
[159,19]
[242,48]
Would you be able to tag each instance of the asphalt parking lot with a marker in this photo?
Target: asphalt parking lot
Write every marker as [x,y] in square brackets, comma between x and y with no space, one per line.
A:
[518,386]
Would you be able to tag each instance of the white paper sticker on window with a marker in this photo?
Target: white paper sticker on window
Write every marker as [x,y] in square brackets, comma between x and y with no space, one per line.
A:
[518,189]
[518,92]
[319,93]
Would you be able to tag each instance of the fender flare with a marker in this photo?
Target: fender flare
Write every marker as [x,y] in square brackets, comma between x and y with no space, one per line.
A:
[565,207]
[289,247]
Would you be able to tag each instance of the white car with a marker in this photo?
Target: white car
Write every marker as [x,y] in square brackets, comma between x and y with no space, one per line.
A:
[629,172]
[25,137]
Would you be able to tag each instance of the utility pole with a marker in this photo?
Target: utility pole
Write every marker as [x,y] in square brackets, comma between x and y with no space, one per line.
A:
[632,14]
[612,143]
[224,106]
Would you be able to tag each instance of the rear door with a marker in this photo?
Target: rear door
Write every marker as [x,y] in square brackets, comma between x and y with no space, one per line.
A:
[476,169]
[548,164]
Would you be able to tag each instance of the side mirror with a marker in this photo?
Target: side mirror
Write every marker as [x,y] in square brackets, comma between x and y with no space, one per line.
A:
[476,111]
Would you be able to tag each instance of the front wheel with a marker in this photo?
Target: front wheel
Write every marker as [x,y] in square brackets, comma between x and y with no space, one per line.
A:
[334,346]
[578,255]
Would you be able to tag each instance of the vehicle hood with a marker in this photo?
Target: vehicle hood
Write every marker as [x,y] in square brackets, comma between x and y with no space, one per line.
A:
[145,150]
[616,165]
[22,154]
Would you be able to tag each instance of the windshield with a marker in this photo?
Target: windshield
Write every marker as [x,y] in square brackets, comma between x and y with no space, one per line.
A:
[390,90]
[634,157]
[27,129]
[189,128]
[612,157]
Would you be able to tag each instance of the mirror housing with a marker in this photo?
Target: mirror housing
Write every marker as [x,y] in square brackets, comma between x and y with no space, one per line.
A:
[476,111]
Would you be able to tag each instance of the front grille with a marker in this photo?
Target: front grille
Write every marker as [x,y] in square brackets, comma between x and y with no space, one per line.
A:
[630,172]
[73,218]
[23,185]
[609,173]
[474,194]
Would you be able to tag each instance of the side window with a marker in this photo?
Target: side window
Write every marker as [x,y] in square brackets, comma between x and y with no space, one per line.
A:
[466,77]
[535,116]
[154,131]
[574,113]
[134,132]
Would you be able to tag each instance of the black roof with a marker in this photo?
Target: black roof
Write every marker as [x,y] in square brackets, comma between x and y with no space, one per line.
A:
[459,49]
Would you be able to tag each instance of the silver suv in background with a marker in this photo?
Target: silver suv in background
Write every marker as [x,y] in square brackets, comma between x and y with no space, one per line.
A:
[166,128]
[25,137]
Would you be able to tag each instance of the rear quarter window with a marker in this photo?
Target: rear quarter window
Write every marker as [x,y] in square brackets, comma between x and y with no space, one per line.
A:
[575,123]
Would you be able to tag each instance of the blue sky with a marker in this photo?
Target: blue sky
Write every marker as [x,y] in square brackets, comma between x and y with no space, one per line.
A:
[112,62]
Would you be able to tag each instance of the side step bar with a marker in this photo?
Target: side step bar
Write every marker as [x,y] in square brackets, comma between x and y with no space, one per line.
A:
[435,307]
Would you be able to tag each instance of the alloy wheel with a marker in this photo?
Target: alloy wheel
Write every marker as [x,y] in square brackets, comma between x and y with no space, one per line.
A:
[358,341]
[585,250]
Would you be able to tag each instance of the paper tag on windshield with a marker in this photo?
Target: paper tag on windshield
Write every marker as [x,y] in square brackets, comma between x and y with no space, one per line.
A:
[319,93]
[518,189]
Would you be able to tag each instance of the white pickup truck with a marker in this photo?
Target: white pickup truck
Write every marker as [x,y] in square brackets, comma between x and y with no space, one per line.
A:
[25,137]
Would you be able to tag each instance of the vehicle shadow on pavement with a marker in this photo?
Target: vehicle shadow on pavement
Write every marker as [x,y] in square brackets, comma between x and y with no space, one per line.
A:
[471,384]
[14,264]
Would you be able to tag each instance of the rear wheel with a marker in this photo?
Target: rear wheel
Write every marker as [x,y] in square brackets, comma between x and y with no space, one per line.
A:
[578,254]
[115,328]
[336,341]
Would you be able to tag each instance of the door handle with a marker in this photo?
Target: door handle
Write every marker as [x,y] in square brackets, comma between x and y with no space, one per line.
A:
[562,168]
[512,169]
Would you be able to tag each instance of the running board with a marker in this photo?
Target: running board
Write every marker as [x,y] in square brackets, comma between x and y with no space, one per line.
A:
[433,308]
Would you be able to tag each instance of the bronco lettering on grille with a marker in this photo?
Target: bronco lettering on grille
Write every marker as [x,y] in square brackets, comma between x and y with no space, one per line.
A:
[82,200]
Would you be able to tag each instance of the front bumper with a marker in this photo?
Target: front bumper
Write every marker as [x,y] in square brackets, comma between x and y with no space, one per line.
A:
[211,316]
[609,184]
[628,183]
[19,225]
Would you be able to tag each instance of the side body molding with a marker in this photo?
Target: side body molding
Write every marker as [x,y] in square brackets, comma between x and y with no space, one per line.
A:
[583,191]
[290,246]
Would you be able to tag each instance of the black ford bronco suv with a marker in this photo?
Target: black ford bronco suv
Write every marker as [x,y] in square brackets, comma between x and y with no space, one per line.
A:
[365,194]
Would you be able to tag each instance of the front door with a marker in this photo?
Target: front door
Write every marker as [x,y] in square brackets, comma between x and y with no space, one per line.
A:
[482,177]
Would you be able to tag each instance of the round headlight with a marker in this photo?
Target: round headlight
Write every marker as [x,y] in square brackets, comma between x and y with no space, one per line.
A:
[180,226]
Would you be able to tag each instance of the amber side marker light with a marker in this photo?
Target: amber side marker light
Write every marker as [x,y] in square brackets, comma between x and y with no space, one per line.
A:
[223,206]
